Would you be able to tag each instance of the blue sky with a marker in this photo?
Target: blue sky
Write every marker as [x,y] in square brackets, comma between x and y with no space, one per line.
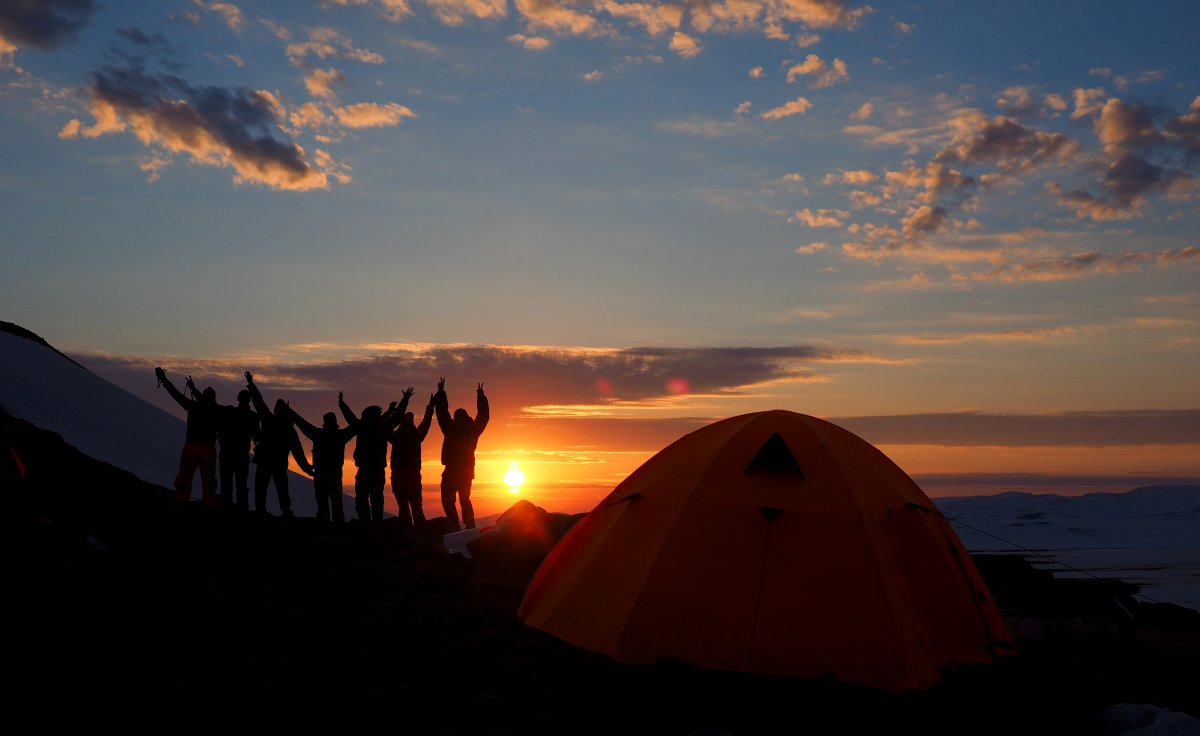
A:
[921,208]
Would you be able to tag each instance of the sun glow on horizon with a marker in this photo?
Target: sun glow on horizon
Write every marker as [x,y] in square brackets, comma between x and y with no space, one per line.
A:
[514,478]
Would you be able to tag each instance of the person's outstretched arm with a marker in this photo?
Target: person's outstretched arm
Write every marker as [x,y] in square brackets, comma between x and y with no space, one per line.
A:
[441,405]
[483,412]
[180,399]
[423,427]
[393,420]
[309,430]
[260,405]
[298,453]
[347,412]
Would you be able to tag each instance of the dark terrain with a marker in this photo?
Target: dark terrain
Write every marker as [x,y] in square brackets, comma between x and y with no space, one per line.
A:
[125,611]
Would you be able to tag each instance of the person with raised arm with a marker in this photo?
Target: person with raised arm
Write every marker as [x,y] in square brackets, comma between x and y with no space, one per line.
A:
[460,437]
[328,457]
[200,442]
[406,441]
[277,439]
[370,453]
[237,430]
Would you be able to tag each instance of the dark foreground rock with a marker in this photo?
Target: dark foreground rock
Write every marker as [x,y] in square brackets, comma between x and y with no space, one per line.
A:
[125,611]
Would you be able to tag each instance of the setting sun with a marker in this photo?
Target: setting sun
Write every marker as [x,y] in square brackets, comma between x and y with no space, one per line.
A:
[514,478]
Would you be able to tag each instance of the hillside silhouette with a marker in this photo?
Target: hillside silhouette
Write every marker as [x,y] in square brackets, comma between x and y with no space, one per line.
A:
[124,607]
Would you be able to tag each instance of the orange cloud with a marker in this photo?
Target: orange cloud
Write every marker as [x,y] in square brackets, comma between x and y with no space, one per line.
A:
[558,17]
[1075,265]
[822,218]
[393,10]
[533,43]
[454,12]
[850,177]
[320,82]
[656,19]
[226,128]
[1000,141]
[230,13]
[325,43]
[1087,101]
[1044,334]
[684,45]
[372,115]
[820,74]
[798,106]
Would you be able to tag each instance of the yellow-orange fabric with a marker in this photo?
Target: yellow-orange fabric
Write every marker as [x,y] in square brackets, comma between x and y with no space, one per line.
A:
[834,563]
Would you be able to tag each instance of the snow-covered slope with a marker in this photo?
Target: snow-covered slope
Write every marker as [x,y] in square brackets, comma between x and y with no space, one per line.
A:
[1154,516]
[1149,536]
[104,421]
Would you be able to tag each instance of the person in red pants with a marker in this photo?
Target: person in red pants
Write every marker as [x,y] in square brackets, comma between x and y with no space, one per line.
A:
[200,446]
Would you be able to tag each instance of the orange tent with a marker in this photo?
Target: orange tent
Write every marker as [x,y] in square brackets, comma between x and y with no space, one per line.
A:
[775,543]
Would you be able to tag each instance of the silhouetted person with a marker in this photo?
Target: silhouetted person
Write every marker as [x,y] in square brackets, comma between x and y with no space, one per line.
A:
[406,441]
[328,456]
[370,454]
[200,446]
[237,429]
[460,436]
[277,438]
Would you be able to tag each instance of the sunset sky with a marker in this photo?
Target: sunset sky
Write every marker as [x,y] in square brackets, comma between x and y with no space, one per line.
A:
[965,231]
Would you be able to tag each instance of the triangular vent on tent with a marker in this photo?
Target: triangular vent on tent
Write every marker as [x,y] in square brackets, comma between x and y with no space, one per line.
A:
[776,458]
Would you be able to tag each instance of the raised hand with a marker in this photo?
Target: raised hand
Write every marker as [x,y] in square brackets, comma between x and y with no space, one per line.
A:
[408,392]
[431,399]
[441,384]
[249,378]
[479,390]
[339,396]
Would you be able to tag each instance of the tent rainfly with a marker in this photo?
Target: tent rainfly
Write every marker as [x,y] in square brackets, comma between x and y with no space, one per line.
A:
[774,543]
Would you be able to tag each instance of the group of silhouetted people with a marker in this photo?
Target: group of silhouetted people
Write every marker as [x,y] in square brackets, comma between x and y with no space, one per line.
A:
[253,427]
